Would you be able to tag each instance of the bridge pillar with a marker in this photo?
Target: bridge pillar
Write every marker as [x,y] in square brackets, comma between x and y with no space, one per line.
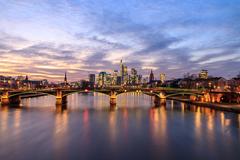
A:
[113,98]
[60,99]
[5,98]
[162,95]
[113,107]
[159,101]
[163,102]
[156,100]
[15,101]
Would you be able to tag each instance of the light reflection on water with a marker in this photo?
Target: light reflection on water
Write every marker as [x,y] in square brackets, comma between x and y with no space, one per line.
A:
[89,129]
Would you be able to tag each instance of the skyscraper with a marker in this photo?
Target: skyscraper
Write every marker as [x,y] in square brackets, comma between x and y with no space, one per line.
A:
[123,73]
[102,79]
[114,77]
[133,76]
[92,80]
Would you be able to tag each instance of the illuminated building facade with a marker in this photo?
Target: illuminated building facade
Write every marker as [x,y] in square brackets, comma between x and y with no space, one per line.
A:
[102,78]
[134,76]
[124,73]
[162,77]
[203,74]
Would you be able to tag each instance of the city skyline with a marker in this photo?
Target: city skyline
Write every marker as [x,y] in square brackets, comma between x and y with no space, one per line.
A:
[45,39]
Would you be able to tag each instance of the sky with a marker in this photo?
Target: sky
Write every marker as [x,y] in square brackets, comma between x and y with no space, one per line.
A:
[45,38]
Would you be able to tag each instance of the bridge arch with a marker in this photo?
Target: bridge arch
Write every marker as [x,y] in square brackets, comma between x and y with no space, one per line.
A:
[184,93]
[83,91]
[29,92]
[151,94]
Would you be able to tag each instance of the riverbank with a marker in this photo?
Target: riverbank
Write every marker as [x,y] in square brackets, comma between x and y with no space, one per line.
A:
[223,107]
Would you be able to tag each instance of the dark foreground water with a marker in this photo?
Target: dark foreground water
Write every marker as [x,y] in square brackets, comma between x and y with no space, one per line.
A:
[89,129]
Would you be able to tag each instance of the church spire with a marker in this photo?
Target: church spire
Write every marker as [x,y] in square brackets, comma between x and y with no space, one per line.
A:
[65,78]
[151,77]
[26,79]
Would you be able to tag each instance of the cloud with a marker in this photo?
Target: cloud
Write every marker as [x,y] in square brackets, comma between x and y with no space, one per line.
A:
[83,37]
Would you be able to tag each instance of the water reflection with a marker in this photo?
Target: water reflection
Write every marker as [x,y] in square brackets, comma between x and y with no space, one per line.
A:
[112,120]
[89,126]
[4,118]
[60,133]
[198,124]
[238,121]
[158,124]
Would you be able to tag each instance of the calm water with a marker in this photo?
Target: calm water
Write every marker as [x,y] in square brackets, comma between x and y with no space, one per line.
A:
[89,129]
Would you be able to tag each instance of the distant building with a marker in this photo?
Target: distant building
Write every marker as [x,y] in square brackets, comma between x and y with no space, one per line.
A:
[203,74]
[114,77]
[108,81]
[102,77]
[162,77]
[119,80]
[175,83]
[214,83]
[125,76]
[26,83]
[134,76]
[145,80]
[151,77]
[84,84]
[91,78]
[65,79]
[20,78]
[234,84]
[139,79]
[124,73]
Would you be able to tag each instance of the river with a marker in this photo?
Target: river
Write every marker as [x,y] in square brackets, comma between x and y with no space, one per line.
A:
[89,129]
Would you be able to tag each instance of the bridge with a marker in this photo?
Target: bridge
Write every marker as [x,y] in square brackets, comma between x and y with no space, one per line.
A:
[13,97]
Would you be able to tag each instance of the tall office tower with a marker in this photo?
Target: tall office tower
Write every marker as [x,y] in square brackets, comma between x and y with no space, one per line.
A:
[125,75]
[122,71]
[133,76]
[102,76]
[139,79]
[91,80]
[114,77]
